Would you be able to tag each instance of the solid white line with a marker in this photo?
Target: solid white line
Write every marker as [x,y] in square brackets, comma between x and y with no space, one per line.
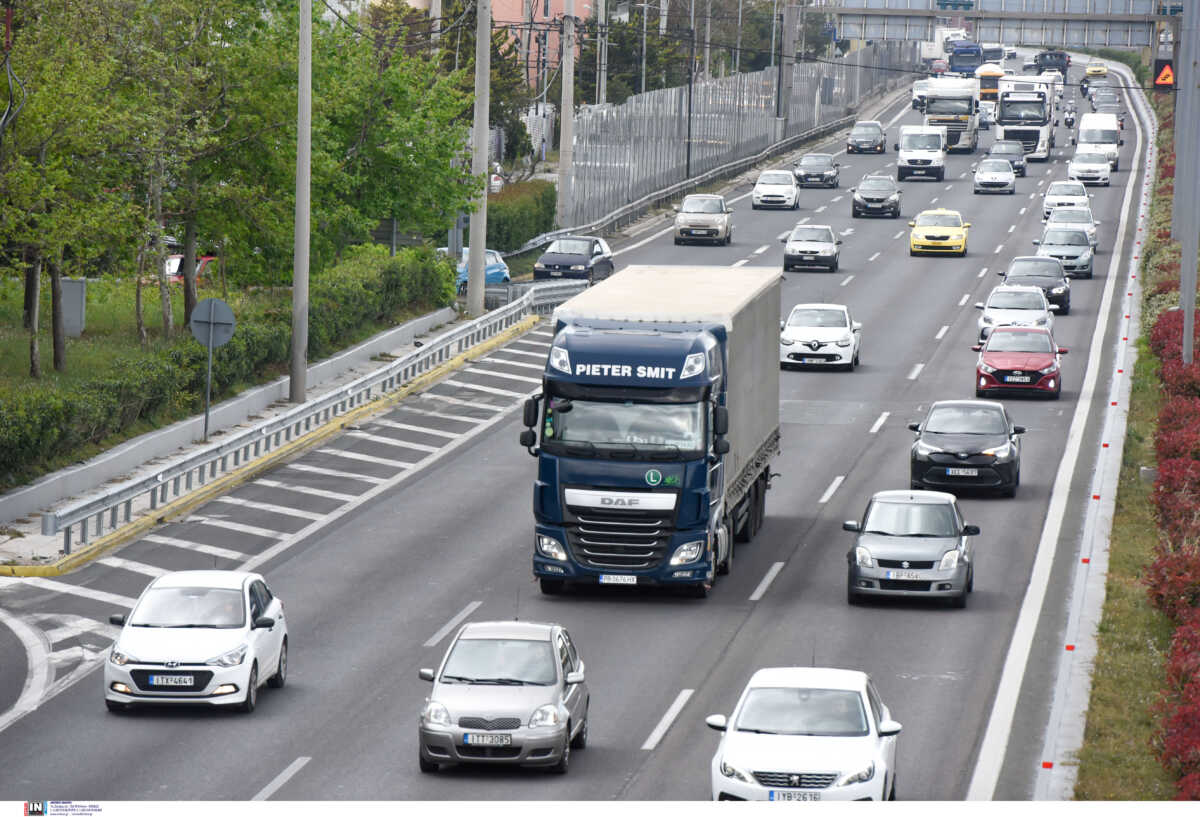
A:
[522,378]
[740,263]
[999,247]
[283,777]
[485,389]
[761,249]
[835,199]
[331,472]
[999,725]
[436,432]
[1021,212]
[543,332]
[510,351]
[304,489]
[136,567]
[848,279]
[879,422]
[37,668]
[963,300]
[916,371]
[210,550]
[820,209]
[833,486]
[665,724]
[772,572]
[353,455]
[73,590]
[237,527]
[941,333]
[458,401]
[872,258]
[897,235]
[269,507]
[452,623]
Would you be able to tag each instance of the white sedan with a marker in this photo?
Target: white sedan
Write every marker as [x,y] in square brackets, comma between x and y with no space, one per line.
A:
[1089,168]
[198,637]
[802,734]
[1077,217]
[775,188]
[820,335]
[1065,194]
[995,176]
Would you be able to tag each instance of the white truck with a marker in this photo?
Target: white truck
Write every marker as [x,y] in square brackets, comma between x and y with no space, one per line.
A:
[921,151]
[953,104]
[1025,112]
[935,49]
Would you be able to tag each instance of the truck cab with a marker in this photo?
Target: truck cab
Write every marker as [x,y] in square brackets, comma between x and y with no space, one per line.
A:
[921,151]
[953,104]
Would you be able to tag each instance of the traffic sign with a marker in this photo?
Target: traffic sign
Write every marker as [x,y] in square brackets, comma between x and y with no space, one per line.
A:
[212,325]
[1164,75]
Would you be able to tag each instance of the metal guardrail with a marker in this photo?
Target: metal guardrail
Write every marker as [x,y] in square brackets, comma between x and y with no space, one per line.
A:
[206,464]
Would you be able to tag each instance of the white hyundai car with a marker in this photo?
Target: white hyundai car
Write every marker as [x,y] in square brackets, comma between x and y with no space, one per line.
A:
[198,637]
[820,335]
[804,734]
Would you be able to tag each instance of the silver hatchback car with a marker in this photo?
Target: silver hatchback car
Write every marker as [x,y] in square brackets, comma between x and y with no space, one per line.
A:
[506,692]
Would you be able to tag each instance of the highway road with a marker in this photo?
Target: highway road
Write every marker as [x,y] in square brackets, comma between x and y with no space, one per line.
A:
[422,517]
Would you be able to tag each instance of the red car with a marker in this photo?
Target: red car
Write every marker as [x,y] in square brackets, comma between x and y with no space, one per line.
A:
[1021,359]
[173,263]
[939,66]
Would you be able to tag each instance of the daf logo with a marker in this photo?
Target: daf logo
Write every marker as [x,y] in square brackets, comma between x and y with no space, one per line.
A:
[627,501]
[170,663]
[794,779]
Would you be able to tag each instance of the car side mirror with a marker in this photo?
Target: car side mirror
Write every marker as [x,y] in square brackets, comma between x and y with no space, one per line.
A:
[425,674]
[783,240]
[850,525]
[675,207]
[970,530]
[574,677]
[914,426]
[720,446]
[837,164]
[1062,350]
[888,728]
[717,722]
[968,224]
[839,241]
[855,326]
[117,618]
[1036,241]
[912,224]
[263,623]
[1018,429]
[979,304]
[529,413]
[720,421]
[853,189]
[978,347]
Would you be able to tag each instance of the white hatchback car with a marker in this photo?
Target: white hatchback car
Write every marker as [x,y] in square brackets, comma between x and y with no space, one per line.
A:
[1065,194]
[198,637]
[775,188]
[1077,217]
[1015,305]
[820,335]
[802,734]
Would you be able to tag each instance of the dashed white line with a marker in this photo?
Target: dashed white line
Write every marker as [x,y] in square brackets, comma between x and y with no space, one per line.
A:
[916,371]
[897,235]
[836,199]
[950,186]
[879,422]
[805,220]
[452,623]
[847,280]
[820,209]
[520,364]
[833,486]
[941,333]
[783,235]
[283,777]
[740,263]
[1011,227]
[667,719]
[933,200]
[1021,212]
[761,590]
[485,389]
[963,300]
[872,258]
[761,249]
[999,247]
[1031,195]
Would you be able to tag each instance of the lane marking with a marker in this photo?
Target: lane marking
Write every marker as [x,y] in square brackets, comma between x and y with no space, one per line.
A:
[805,220]
[999,247]
[210,550]
[79,627]
[304,489]
[916,371]
[848,279]
[963,300]
[740,263]
[879,422]
[508,351]
[452,623]
[136,567]
[941,333]
[897,235]
[833,486]
[458,401]
[933,200]
[836,199]
[70,589]
[1011,227]
[820,209]
[486,372]
[329,472]
[485,389]
[1031,195]
[281,778]
[353,455]
[1021,212]
[520,364]
[237,527]
[382,440]
[37,672]
[667,719]
[872,258]
[761,250]
[783,235]
[269,507]
[772,572]
[950,186]
[542,332]
[982,272]
[436,432]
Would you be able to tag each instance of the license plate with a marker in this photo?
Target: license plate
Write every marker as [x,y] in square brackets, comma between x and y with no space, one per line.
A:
[699,232]
[556,273]
[874,205]
[918,172]
[962,472]
[611,578]
[171,680]
[472,739]
[903,574]
[1011,379]
[811,360]
[794,796]
[808,258]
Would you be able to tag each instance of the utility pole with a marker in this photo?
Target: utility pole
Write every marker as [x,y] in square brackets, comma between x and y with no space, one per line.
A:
[1186,212]
[602,53]
[645,12]
[526,44]
[774,19]
[479,158]
[566,131]
[691,83]
[662,17]
[737,53]
[435,20]
[707,33]
[297,383]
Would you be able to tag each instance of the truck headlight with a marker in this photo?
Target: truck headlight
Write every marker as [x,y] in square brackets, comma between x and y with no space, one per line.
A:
[687,553]
[551,548]
[862,557]
[693,364]
[860,776]
[949,560]
[559,359]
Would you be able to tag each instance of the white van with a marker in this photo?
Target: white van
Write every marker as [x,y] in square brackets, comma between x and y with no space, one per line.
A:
[921,151]
[1102,133]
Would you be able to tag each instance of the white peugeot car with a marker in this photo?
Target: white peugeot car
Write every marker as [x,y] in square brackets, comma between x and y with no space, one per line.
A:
[775,188]
[1065,194]
[198,637]
[995,176]
[820,335]
[1089,167]
[803,734]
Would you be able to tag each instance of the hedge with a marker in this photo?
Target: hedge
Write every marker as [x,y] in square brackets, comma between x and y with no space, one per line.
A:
[518,213]
[41,424]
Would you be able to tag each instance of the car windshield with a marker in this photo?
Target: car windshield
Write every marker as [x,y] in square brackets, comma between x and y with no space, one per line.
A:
[701,205]
[219,608]
[673,427]
[1019,342]
[791,711]
[817,317]
[1029,267]
[1091,158]
[995,166]
[1070,237]
[570,246]
[965,420]
[814,160]
[1015,300]
[812,234]
[1065,189]
[1006,148]
[777,177]
[500,661]
[921,141]
[1068,216]
[1097,136]
[866,131]
[948,106]
[910,519]
[875,183]
[939,220]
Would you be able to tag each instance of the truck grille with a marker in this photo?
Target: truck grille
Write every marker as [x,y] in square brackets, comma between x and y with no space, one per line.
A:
[628,539]
[919,162]
[796,780]
[1027,138]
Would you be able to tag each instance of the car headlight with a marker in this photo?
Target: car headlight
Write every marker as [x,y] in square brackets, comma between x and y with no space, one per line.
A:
[540,267]
[949,560]
[983,367]
[735,773]
[845,342]
[1085,257]
[550,547]
[860,776]
[1041,321]
[435,714]
[1051,369]
[938,160]
[544,715]
[229,659]
[792,248]
[1058,290]
[924,448]
[858,197]
[829,251]
[686,553]
[894,197]
[862,557]
[578,267]
[999,452]
[122,658]
[830,172]
[785,341]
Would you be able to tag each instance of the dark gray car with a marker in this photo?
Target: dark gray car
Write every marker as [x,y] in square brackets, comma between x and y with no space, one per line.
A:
[1040,271]
[1009,149]
[506,692]
[914,544]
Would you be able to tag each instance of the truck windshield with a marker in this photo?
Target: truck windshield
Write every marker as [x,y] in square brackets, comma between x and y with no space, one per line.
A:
[934,105]
[658,427]
[920,141]
[1029,111]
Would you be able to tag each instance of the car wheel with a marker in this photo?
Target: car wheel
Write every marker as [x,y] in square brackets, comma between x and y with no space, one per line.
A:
[581,737]
[552,587]
[836,263]
[975,192]
[277,680]
[980,393]
[963,254]
[426,766]
[853,598]
[941,175]
[753,206]
[971,580]
[677,242]
[897,213]
[1013,191]
[796,203]
[959,602]
[251,699]
[1066,310]
[1011,490]
[853,213]
[892,793]
[911,251]
[564,760]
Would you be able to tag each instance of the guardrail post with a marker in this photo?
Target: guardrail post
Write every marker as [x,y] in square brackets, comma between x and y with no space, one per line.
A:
[67,540]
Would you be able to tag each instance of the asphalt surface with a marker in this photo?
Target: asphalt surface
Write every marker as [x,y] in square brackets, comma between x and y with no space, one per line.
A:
[442,519]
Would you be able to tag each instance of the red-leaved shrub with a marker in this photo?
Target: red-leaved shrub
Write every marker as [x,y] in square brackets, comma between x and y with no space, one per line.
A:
[1180,704]
[1173,580]
[1179,378]
[1179,413]
[1166,337]
[1176,497]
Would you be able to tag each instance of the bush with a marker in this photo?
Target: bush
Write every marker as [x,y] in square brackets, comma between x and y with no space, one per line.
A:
[1178,432]
[520,212]
[1179,378]
[1176,498]
[1166,337]
[1180,706]
[1173,580]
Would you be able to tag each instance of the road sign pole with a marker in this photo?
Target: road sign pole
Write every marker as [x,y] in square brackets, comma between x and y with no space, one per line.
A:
[1187,173]
[208,380]
[212,324]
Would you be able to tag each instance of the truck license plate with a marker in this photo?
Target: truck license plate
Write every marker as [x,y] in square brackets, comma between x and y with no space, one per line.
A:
[611,578]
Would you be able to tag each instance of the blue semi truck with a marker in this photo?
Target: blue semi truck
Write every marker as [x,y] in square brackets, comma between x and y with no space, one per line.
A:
[655,427]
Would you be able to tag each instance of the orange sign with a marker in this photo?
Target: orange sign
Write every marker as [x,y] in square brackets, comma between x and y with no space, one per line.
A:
[1165,79]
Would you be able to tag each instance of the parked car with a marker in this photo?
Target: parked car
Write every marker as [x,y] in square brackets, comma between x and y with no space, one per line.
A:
[966,444]
[1019,359]
[175,261]
[209,637]
[811,245]
[575,256]
[775,188]
[704,217]
[820,335]
[495,269]
[506,692]
[817,169]
[875,196]
[911,544]
[801,734]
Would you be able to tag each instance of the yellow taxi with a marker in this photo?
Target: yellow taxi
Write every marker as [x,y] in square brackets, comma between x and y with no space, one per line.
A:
[1097,69]
[938,231]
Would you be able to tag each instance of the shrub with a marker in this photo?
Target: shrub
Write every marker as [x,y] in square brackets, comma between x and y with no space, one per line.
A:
[1166,337]
[1176,498]
[1173,579]
[520,212]
[1179,378]
[1179,706]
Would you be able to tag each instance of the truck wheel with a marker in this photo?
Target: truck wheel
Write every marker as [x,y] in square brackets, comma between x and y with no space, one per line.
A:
[726,564]
[697,591]
[552,587]
[760,505]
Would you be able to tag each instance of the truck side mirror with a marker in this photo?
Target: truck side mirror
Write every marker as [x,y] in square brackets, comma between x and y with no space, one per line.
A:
[528,438]
[721,446]
[720,421]
[896,146]
[529,415]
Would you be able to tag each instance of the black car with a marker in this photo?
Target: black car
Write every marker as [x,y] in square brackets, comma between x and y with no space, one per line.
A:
[817,169]
[866,137]
[575,256]
[967,444]
[875,196]
[1040,271]
[1052,61]
[1010,149]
